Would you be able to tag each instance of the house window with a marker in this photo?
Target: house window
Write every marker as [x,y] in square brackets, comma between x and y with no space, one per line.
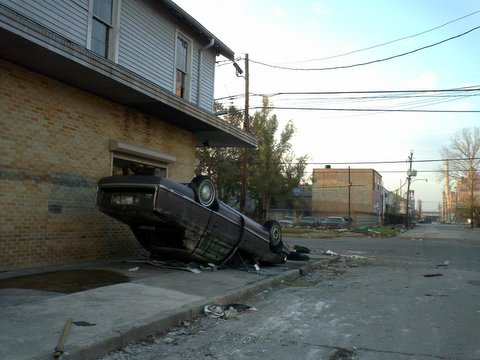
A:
[103,16]
[126,166]
[182,61]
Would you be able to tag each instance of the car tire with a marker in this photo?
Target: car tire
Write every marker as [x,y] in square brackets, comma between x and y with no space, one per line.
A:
[204,191]
[274,235]
[297,256]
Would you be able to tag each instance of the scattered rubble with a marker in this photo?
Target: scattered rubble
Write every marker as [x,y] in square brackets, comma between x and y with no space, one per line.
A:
[228,311]
[432,275]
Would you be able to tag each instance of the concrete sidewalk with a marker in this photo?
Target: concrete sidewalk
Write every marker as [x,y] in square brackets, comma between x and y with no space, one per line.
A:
[109,317]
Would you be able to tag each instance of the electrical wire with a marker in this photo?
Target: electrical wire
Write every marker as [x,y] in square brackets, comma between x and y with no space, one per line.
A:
[381,161]
[392,100]
[388,42]
[368,62]
[365,110]
[423,91]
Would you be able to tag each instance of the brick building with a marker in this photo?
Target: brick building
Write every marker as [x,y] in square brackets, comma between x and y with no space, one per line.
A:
[457,205]
[355,193]
[89,89]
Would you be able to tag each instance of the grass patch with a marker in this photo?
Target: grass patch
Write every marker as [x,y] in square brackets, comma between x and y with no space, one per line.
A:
[311,233]
[380,230]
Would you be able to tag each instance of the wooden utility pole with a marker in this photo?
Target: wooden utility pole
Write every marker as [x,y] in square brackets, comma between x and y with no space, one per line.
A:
[448,195]
[246,127]
[472,197]
[349,196]
[409,177]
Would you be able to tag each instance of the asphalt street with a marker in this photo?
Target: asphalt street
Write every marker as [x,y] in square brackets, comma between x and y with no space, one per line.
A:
[416,296]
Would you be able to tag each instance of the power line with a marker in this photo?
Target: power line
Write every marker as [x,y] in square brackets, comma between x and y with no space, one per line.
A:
[461,89]
[368,62]
[388,42]
[364,110]
[397,100]
[382,161]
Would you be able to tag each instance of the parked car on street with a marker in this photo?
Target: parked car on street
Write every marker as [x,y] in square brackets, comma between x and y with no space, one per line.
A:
[187,222]
[287,221]
[336,222]
[308,221]
[322,221]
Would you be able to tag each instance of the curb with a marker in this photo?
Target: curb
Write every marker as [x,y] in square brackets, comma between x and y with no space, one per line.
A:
[95,347]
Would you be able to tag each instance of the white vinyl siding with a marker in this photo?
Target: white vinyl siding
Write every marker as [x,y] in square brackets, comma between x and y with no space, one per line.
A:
[207,81]
[68,18]
[145,42]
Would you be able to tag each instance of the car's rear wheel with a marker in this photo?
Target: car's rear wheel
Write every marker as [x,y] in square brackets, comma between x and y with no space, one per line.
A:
[204,190]
[275,235]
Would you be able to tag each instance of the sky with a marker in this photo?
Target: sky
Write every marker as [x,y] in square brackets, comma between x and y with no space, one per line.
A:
[413,45]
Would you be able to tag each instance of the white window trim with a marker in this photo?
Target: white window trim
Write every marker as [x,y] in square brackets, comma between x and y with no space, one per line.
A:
[113,44]
[188,87]
[137,159]
[120,147]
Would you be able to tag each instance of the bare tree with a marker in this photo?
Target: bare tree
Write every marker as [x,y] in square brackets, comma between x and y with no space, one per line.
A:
[463,156]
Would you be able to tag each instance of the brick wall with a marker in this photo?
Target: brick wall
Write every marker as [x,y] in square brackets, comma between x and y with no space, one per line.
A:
[54,146]
[330,192]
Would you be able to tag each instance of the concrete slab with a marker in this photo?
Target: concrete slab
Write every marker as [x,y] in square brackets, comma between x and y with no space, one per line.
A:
[155,299]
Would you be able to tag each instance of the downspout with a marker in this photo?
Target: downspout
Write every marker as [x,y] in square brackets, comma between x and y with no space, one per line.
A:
[200,65]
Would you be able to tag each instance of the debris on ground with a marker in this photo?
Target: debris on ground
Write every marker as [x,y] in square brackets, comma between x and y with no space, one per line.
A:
[82,323]
[342,354]
[330,253]
[214,311]
[358,257]
[432,275]
[58,354]
[297,256]
[298,253]
[228,311]
[301,249]
[176,265]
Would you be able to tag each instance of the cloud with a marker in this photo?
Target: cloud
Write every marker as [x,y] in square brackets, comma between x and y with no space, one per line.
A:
[462,106]
[426,80]
[320,8]
[279,12]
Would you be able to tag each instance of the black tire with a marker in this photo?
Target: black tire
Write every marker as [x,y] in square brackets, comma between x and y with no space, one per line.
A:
[296,256]
[204,191]
[274,235]
[301,249]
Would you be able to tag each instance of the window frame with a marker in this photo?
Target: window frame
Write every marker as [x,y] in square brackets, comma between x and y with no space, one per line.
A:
[139,160]
[112,30]
[188,66]
[130,152]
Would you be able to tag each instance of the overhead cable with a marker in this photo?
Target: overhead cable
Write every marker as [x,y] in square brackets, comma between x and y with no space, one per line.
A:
[461,89]
[368,62]
[365,110]
[388,42]
[381,161]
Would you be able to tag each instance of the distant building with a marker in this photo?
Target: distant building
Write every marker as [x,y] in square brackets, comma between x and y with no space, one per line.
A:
[457,205]
[355,193]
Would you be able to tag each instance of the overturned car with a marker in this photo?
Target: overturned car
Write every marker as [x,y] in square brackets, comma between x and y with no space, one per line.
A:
[187,222]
